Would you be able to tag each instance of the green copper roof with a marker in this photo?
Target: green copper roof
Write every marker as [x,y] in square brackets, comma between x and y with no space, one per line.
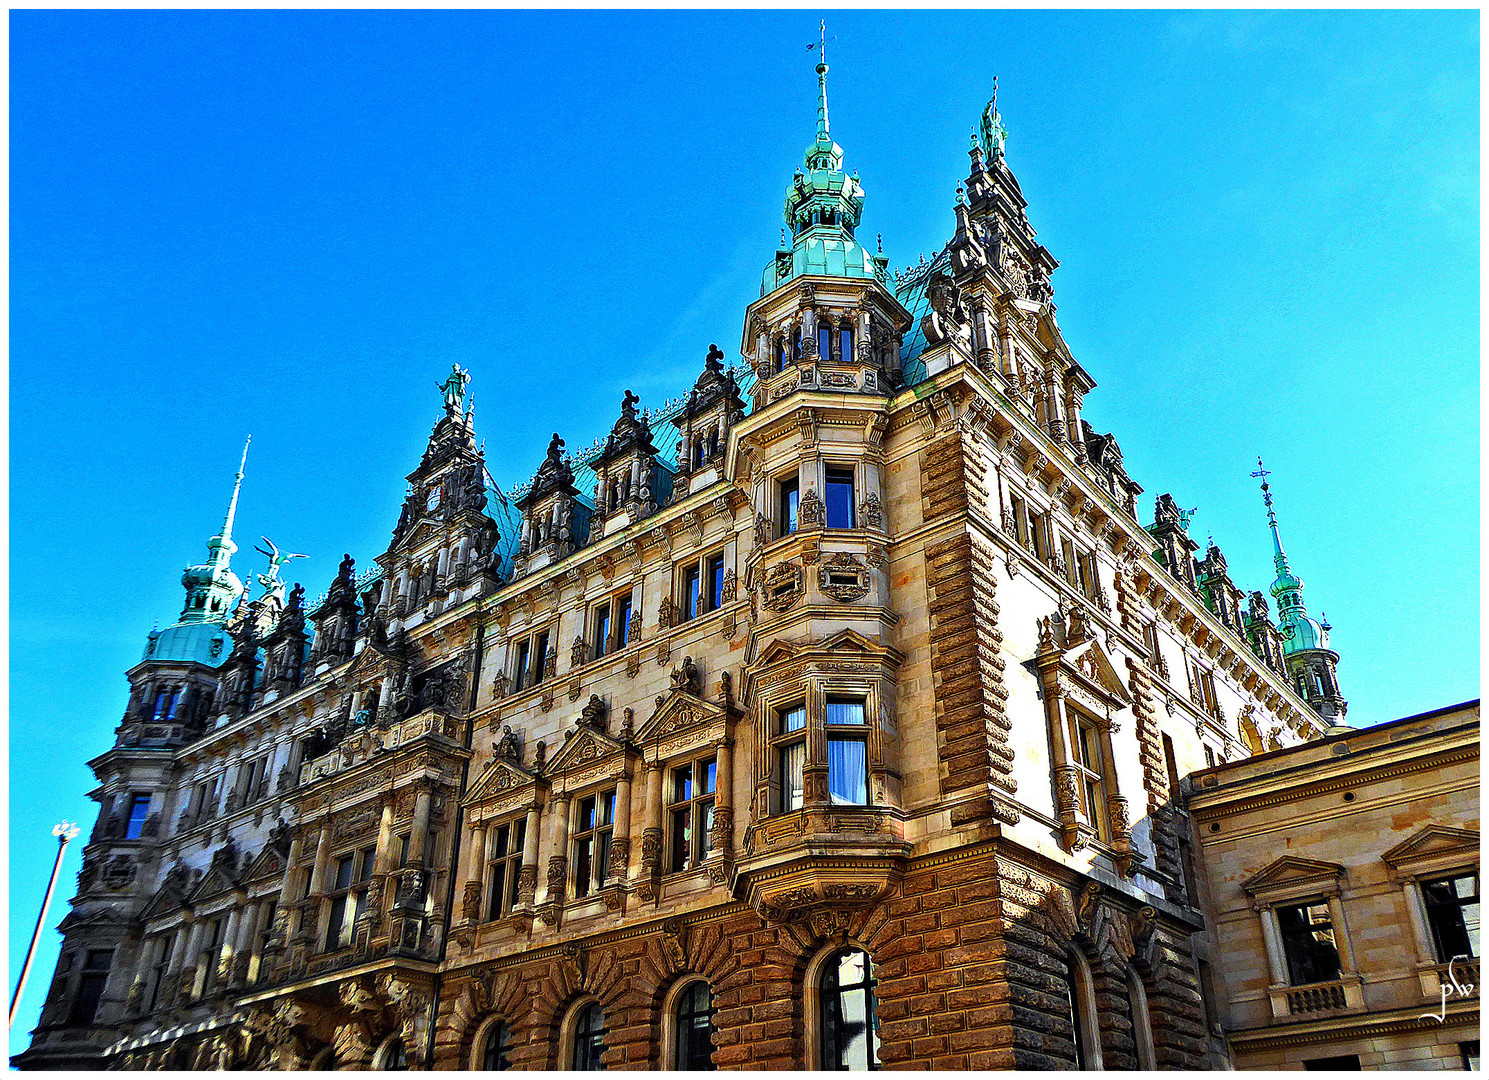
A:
[190,643]
[823,207]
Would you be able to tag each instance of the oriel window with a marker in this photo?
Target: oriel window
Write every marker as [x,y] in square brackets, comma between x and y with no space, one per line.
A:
[790,493]
[791,753]
[847,752]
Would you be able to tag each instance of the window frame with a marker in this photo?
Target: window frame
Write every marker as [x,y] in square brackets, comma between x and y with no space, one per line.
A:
[709,595]
[1428,907]
[90,975]
[1094,784]
[841,469]
[601,836]
[676,1044]
[830,1049]
[696,809]
[528,659]
[575,1029]
[1306,903]
[787,504]
[840,732]
[131,832]
[352,895]
[506,865]
[786,739]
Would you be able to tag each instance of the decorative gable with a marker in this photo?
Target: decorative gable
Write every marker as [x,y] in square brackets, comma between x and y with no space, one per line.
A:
[586,757]
[268,863]
[1291,877]
[499,779]
[1090,662]
[1435,848]
[681,721]
[213,884]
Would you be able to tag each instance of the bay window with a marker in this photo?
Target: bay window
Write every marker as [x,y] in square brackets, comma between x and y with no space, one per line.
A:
[791,750]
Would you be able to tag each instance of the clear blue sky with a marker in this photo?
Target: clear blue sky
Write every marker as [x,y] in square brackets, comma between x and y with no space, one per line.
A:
[292,223]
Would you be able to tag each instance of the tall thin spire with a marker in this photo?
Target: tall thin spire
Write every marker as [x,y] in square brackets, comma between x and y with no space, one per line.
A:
[822,131]
[232,506]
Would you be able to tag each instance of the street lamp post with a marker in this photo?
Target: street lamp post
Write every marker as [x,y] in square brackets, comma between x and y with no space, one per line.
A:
[64,832]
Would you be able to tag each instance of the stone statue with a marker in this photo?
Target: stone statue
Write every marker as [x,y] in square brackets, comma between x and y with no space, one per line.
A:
[715,359]
[628,405]
[946,319]
[345,570]
[555,448]
[270,581]
[454,387]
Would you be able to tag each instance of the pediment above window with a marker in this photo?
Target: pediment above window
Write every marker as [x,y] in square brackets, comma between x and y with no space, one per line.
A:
[1090,667]
[682,720]
[1291,877]
[1435,848]
[586,757]
[500,781]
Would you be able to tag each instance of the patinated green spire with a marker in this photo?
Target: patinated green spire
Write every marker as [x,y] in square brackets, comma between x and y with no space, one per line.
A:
[212,587]
[1298,630]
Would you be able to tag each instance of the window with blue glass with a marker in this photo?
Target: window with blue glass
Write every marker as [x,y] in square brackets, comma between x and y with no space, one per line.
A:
[840,497]
[789,500]
[847,752]
[589,1039]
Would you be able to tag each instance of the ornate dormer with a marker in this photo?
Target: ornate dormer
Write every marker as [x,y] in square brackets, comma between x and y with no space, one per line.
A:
[825,317]
[631,484]
[287,645]
[443,549]
[713,407]
[1311,665]
[554,520]
[1266,640]
[1220,593]
[1105,458]
[336,618]
[1175,550]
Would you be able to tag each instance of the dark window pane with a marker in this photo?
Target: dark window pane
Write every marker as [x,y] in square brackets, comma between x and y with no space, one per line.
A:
[344,867]
[695,1029]
[1308,940]
[589,1040]
[1453,913]
[623,629]
[602,630]
[90,993]
[494,1052]
[715,582]
[139,811]
[582,867]
[690,594]
[787,517]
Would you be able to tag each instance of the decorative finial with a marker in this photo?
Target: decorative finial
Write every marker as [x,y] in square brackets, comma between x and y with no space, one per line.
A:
[879,239]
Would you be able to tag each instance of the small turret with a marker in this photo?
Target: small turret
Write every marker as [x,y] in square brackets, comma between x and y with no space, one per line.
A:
[211,587]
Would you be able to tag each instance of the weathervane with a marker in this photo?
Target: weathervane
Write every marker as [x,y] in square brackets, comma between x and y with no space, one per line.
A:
[821,44]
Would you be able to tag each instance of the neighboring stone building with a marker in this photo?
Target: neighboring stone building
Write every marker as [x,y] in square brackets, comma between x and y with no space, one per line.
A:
[1342,878]
[850,733]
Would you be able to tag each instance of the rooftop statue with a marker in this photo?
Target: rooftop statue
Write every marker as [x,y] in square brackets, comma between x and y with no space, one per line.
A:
[454,387]
[270,581]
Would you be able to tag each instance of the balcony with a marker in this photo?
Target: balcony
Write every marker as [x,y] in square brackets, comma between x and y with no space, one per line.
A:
[1459,978]
[1343,995]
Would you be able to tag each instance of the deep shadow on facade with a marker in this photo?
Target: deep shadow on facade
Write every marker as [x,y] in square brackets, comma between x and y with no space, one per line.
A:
[849,732]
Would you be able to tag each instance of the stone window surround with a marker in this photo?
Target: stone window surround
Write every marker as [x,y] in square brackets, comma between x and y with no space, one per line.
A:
[570,1026]
[477,1059]
[1265,900]
[669,1033]
[1086,1014]
[813,688]
[1409,870]
[811,998]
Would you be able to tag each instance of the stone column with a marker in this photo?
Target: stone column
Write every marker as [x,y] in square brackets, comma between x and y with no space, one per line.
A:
[419,837]
[243,946]
[620,837]
[318,881]
[229,948]
[291,862]
[1426,953]
[1341,936]
[191,974]
[558,853]
[1276,960]
[527,881]
[723,807]
[475,875]
[1053,422]
[149,957]
[986,339]
[261,913]
[382,862]
[651,837]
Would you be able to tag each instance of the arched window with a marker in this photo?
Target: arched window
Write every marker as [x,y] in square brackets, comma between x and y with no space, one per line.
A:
[495,1046]
[589,1039]
[1142,1021]
[391,1056]
[849,1036]
[1080,997]
[694,1029]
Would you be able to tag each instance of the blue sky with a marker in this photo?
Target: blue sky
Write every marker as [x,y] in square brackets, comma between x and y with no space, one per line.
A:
[292,223]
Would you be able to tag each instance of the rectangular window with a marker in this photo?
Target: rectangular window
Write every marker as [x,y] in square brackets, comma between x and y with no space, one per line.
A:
[824,340]
[157,972]
[1020,521]
[840,503]
[348,894]
[786,512]
[519,673]
[1086,574]
[847,752]
[791,750]
[540,657]
[1039,535]
[139,813]
[594,828]
[1071,567]
[713,576]
[1452,905]
[211,953]
[623,621]
[602,629]
[505,867]
[690,803]
[90,986]
[1088,761]
[690,585]
[1307,932]
[1173,771]
[1150,639]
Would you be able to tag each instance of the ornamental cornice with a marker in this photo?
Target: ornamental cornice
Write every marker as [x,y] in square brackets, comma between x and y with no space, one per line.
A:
[1209,804]
[1342,1027]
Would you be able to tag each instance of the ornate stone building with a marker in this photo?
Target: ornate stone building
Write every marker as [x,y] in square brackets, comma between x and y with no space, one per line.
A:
[831,715]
